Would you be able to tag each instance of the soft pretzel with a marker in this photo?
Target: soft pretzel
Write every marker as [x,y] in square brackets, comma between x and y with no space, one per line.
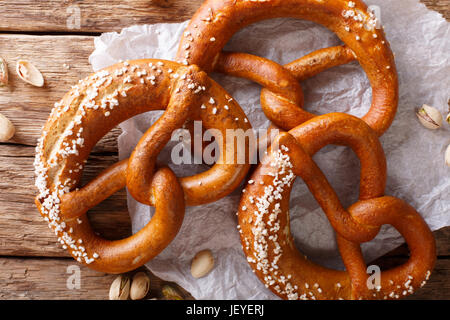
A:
[402,280]
[216,22]
[264,217]
[92,108]
[282,94]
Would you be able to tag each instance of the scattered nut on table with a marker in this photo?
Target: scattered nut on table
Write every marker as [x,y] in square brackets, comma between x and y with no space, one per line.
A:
[120,288]
[29,73]
[202,264]
[430,117]
[140,285]
[7,129]
[170,293]
[4,78]
[447,156]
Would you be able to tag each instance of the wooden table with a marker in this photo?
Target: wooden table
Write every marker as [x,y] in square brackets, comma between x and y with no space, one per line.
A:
[32,265]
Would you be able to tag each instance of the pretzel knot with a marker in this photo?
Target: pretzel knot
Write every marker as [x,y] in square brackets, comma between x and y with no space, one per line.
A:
[264,217]
[90,110]
[282,99]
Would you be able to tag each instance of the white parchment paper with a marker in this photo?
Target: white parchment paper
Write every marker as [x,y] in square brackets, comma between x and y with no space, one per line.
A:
[415,156]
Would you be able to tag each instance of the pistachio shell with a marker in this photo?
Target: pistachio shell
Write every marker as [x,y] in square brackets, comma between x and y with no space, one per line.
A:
[170,293]
[29,73]
[202,264]
[7,129]
[3,73]
[430,117]
[139,286]
[120,288]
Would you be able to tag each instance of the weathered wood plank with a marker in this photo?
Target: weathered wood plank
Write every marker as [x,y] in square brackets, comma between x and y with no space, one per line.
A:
[29,107]
[47,279]
[437,288]
[442,6]
[105,16]
[23,231]
[93,15]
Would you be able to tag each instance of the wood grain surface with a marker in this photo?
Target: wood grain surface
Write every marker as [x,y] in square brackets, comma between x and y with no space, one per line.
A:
[32,265]
[106,15]
[94,15]
[54,279]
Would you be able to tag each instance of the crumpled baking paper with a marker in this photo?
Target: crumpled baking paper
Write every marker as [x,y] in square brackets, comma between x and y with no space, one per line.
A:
[417,173]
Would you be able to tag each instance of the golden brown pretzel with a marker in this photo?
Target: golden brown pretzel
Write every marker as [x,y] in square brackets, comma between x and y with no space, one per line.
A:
[402,280]
[92,108]
[264,217]
[278,106]
[216,22]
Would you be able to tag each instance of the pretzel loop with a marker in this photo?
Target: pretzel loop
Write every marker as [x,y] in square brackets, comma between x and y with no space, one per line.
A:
[217,21]
[143,159]
[404,279]
[90,110]
[282,111]
[264,216]
[282,95]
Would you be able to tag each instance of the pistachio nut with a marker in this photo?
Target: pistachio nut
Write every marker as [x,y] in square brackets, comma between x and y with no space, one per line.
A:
[170,293]
[29,73]
[140,285]
[3,73]
[202,264]
[430,117]
[7,129]
[120,288]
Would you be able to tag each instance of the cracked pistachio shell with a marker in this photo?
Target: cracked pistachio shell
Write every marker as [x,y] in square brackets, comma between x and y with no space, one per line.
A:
[429,117]
[29,73]
[120,288]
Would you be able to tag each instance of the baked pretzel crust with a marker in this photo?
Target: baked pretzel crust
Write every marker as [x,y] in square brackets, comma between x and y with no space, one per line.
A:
[217,21]
[91,109]
[265,228]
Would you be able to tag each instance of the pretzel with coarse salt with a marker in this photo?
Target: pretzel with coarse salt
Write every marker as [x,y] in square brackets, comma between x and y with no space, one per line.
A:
[216,21]
[264,217]
[90,110]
